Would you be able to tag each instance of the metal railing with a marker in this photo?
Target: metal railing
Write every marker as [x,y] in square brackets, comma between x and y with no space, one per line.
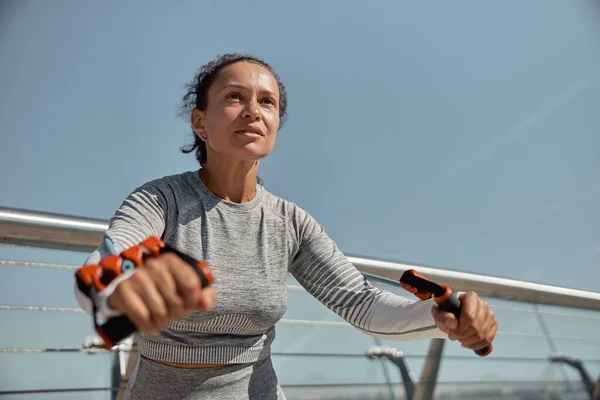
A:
[65,232]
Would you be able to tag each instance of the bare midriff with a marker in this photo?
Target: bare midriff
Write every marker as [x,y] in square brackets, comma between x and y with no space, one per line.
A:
[187,365]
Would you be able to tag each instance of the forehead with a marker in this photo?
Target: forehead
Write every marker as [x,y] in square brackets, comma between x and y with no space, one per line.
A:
[247,74]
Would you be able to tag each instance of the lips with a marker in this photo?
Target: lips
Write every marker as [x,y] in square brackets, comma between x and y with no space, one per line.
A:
[250,130]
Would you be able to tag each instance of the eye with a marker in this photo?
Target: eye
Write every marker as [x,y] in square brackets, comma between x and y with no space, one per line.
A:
[234,96]
[269,100]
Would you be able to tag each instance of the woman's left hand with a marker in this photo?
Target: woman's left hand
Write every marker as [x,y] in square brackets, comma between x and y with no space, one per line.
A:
[477,326]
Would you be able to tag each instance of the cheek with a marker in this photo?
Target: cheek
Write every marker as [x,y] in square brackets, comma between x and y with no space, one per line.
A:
[272,124]
[213,129]
[218,121]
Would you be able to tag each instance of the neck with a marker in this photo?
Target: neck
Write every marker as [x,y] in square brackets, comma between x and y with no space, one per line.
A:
[235,182]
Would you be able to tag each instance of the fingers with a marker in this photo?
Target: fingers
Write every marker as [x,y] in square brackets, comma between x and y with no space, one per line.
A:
[187,282]
[445,321]
[148,292]
[165,283]
[477,325]
[466,336]
[128,302]
[492,327]
[470,312]
[476,346]
[163,290]
[477,340]
[208,298]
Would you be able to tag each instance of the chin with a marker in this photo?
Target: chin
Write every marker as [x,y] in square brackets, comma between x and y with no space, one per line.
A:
[254,152]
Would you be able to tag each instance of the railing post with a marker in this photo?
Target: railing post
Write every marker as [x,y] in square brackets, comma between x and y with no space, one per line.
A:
[131,363]
[586,379]
[119,373]
[426,385]
[396,357]
[596,395]
[115,378]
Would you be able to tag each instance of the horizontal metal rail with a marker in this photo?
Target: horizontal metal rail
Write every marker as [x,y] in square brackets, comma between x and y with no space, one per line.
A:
[110,352]
[50,230]
[58,390]
[501,288]
[519,386]
[66,232]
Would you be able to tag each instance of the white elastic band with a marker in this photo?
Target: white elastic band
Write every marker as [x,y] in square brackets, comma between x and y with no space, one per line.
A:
[103,310]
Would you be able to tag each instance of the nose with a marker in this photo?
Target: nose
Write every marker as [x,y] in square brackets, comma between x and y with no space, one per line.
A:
[252,111]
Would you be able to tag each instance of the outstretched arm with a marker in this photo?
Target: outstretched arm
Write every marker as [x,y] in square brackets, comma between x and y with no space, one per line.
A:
[142,214]
[321,268]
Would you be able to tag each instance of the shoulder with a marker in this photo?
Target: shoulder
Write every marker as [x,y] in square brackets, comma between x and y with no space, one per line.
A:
[161,195]
[168,187]
[299,221]
[281,207]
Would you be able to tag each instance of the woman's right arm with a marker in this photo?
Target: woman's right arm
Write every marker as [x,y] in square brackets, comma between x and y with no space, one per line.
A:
[165,288]
[142,214]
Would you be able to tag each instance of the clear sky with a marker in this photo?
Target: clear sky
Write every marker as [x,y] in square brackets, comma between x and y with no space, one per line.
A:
[460,134]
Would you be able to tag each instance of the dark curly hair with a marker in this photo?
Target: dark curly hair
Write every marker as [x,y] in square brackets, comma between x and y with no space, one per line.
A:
[197,94]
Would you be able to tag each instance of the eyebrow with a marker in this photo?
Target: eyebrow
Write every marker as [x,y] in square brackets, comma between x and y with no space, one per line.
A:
[240,86]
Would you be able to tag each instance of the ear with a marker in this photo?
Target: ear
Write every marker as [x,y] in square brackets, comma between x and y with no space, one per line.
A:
[197,122]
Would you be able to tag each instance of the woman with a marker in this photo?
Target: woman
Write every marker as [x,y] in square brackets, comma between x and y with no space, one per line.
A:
[192,345]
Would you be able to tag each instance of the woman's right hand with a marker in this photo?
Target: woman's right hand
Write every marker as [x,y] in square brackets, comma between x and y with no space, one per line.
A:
[164,289]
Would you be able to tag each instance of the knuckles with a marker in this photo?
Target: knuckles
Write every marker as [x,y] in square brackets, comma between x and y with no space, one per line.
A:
[153,265]
[190,285]
[160,314]
[175,302]
[168,258]
[142,315]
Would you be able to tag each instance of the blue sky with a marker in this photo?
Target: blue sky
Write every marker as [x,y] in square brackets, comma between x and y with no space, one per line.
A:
[457,134]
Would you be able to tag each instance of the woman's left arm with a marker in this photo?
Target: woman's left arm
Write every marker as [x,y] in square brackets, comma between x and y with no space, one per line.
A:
[321,268]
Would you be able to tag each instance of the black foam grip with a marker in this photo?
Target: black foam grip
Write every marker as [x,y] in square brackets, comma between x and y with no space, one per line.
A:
[116,329]
[483,352]
[452,304]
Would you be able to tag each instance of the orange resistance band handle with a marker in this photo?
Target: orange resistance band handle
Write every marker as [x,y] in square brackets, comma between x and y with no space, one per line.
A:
[92,278]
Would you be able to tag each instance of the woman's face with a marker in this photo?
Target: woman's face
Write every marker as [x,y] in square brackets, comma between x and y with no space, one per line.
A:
[241,118]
